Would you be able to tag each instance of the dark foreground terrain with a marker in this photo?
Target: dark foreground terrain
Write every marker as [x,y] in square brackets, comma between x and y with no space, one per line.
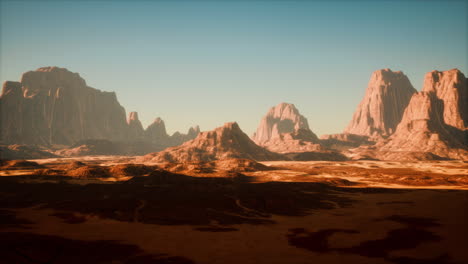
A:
[164,217]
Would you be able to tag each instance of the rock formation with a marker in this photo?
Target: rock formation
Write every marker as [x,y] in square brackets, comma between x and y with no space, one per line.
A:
[54,107]
[156,132]
[178,138]
[382,107]
[135,128]
[15,151]
[284,130]
[193,132]
[435,120]
[344,141]
[451,88]
[224,142]
[95,147]
[283,118]
[302,140]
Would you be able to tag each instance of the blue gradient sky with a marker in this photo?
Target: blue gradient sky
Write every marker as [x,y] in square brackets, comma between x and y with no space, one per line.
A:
[209,62]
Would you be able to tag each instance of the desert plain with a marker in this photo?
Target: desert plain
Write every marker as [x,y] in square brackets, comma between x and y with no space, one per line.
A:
[112,209]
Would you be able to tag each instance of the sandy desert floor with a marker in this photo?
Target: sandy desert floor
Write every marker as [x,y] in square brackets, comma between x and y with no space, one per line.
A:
[294,212]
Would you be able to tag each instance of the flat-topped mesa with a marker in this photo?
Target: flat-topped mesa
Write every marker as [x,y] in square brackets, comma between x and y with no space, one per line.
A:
[387,95]
[450,87]
[435,119]
[227,141]
[46,78]
[55,106]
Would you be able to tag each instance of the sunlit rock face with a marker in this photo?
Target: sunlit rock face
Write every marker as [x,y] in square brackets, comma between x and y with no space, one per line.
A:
[283,118]
[52,105]
[451,88]
[225,142]
[283,129]
[436,118]
[387,95]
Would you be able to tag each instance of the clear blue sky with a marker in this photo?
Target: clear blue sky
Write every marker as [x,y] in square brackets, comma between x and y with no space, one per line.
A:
[209,62]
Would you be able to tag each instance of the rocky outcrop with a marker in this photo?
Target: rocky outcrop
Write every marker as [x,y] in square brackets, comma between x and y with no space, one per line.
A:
[135,128]
[344,141]
[178,138]
[283,118]
[301,140]
[140,142]
[156,132]
[216,168]
[54,107]
[450,87]
[91,147]
[284,130]
[380,111]
[193,132]
[12,152]
[435,120]
[224,142]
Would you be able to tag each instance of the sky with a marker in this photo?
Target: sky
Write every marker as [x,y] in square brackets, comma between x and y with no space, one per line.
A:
[210,62]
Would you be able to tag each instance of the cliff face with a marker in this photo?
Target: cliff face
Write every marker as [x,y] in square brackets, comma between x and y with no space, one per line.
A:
[435,119]
[382,107]
[55,106]
[451,88]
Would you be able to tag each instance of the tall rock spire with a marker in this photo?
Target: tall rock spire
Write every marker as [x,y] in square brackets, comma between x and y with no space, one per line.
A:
[435,119]
[387,95]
